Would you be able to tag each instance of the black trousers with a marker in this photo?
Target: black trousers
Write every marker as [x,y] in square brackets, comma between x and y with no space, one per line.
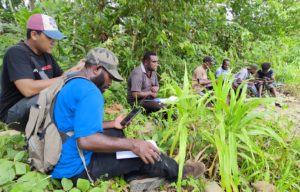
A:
[152,106]
[106,166]
[17,116]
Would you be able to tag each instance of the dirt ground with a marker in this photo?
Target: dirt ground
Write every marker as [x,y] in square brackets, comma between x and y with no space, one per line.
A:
[289,109]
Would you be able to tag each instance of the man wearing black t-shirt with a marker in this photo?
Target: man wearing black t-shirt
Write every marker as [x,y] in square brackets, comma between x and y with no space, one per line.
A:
[28,68]
[266,79]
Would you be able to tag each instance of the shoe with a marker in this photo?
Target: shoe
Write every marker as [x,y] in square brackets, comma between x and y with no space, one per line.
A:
[193,169]
[278,105]
[148,184]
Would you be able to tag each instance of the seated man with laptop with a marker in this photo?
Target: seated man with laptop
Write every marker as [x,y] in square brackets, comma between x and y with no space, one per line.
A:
[143,84]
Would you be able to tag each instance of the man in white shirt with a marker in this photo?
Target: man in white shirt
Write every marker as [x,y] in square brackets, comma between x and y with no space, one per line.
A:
[244,75]
[224,69]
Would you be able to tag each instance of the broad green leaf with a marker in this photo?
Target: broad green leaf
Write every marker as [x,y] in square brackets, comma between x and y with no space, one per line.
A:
[36,180]
[74,190]
[83,184]
[67,184]
[7,172]
[11,153]
[26,187]
[21,168]
[56,183]
[19,156]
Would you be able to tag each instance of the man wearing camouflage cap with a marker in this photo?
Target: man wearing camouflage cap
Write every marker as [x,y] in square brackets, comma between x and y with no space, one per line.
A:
[244,75]
[80,108]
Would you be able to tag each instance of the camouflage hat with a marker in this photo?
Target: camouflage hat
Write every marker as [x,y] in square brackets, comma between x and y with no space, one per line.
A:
[107,59]
[253,66]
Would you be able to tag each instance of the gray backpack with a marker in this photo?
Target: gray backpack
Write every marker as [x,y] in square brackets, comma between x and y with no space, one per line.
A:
[44,140]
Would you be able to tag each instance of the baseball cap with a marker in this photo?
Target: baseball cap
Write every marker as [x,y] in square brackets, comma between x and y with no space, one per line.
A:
[46,24]
[107,59]
[253,66]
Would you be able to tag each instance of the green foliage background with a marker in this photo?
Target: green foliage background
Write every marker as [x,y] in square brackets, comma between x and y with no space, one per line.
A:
[182,33]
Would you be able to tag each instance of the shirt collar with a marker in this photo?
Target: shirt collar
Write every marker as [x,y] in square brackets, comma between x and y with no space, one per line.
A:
[143,68]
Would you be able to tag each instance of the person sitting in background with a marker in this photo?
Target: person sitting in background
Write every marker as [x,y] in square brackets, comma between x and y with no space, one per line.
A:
[79,107]
[244,75]
[224,69]
[200,79]
[143,84]
[266,79]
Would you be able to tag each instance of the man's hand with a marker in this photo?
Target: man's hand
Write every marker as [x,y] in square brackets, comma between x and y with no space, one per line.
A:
[152,94]
[250,83]
[146,151]
[260,82]
[117,122]
[154,89]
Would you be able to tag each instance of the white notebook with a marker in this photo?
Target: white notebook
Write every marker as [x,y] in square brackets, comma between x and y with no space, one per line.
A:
[130,154]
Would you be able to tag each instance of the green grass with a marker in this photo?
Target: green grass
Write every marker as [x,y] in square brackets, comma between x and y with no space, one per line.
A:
[238,144]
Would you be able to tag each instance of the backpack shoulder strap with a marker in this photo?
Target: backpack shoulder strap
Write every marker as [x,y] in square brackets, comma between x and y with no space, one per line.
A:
[64,136]
[71,76]
[42,73]
[80,151]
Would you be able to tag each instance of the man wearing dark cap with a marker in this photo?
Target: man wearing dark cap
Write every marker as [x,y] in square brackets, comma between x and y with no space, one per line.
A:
[200,77]
[79,108]
[28,67]
[244,75]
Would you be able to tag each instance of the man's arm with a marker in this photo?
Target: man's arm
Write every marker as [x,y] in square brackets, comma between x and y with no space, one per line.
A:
[136,80]
[238,80]
[115,124]
[30,87]
[141,95]
[101,143]
[272,79]
[204,82]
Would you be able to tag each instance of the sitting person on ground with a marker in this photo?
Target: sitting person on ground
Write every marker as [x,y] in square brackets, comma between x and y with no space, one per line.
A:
[224,69]
[266,79]
[28,68]
[200,76]
[79,108]
[143,84]
[244,76]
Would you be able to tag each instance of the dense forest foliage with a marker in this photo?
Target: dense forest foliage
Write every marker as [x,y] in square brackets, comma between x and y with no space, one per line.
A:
[236,143]
[180,31]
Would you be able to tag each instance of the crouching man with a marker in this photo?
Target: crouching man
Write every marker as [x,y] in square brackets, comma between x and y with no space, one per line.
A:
[79,107]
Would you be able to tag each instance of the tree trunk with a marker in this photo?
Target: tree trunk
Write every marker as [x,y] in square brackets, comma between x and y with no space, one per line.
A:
[102,4]
[31,4]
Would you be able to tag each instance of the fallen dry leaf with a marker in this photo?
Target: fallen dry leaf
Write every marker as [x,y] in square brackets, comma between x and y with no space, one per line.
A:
[263,186]
[114,108]
[212,187]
